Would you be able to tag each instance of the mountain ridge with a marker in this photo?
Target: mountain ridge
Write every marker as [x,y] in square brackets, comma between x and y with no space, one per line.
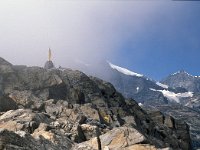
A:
[178,88]
[159,95]
[66,109]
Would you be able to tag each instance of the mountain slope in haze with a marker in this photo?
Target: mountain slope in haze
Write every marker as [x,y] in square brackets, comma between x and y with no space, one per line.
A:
[142,88]
[179,87]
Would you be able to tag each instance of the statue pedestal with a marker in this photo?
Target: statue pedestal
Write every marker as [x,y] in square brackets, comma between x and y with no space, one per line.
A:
[49,65]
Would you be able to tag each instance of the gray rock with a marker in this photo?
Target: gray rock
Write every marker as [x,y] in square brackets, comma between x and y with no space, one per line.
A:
[21,119]
[7,103]
[89,131]
[23,141]
[5,66]
[117,138]
[49,65]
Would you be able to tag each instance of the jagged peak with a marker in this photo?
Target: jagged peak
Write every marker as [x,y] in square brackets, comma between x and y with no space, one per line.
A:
[182,72]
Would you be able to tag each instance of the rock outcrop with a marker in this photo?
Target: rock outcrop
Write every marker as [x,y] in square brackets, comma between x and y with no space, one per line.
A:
[118,138]
[49,65]
[66,109]
[178,127]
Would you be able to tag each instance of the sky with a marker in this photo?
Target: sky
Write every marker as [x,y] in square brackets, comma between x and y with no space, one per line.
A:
[154,38]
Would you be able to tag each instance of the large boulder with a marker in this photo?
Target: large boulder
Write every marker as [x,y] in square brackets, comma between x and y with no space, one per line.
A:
[89,131]
[22,119]
[29,99]
[7,103]
[11,140]
[30,86]
[21,140]
[30,78]
[157,116]
[178,127]
[58,139]
[117,138]
[81,87]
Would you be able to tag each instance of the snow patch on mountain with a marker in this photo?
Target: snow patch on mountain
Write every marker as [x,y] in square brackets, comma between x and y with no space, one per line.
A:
[192,102]
[137,88]
[197,76]
[124,70]
[174,96]
[140,104]
[162,85]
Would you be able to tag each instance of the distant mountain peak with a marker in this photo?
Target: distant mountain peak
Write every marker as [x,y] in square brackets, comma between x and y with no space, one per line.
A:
[182,72]
[182,79]
[124,70]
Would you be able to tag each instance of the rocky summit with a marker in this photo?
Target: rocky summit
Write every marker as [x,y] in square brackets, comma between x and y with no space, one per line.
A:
[47,109]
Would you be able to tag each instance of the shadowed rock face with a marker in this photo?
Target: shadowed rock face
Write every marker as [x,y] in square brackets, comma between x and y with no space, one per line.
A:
[181,114]
[5,67]
[66,109]
[7,104]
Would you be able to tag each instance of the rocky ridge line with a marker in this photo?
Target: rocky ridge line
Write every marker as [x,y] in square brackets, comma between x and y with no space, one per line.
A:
[65,109]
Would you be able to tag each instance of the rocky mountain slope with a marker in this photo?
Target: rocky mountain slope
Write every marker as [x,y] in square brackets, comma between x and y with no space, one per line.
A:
[178,92]
[66,109]
[143,89]
[189,115]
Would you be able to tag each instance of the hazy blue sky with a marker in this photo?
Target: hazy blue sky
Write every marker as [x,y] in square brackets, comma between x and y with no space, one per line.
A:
[154,38]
